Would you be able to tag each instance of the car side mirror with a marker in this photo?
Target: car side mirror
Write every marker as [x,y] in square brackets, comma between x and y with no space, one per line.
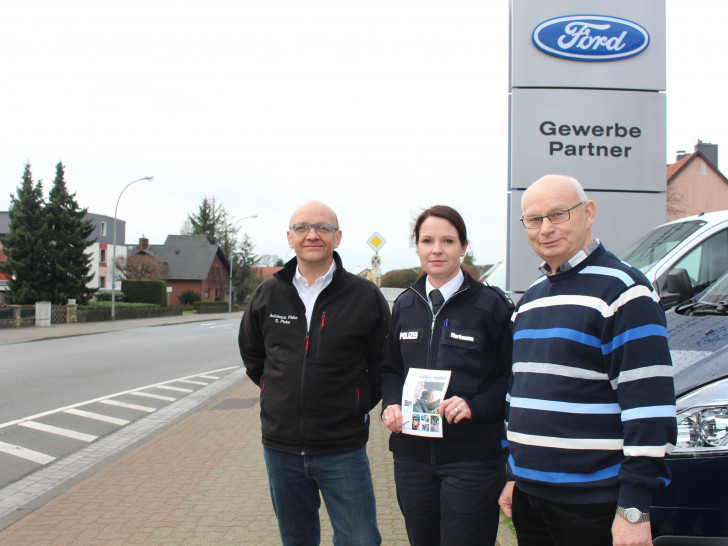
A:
[678,288]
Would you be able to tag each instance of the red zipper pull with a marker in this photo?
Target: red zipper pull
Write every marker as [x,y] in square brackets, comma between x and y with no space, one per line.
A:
[306,341]
[323,319]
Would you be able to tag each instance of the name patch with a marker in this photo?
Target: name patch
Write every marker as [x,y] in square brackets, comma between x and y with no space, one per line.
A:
[282,319]
[453,335]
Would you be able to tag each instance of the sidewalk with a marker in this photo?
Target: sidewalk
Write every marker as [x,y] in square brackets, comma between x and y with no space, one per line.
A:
[200,481]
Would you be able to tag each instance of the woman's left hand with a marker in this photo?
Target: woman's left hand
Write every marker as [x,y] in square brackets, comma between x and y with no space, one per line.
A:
[454,409]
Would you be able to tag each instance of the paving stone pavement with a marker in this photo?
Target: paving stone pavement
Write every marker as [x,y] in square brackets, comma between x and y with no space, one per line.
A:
[200,481]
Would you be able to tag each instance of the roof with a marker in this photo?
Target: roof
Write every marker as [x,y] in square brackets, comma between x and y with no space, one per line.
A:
[267,272]
[188,257]
[677,167]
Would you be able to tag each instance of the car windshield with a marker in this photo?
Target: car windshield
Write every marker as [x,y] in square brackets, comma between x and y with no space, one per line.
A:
[654,246]
[718,293]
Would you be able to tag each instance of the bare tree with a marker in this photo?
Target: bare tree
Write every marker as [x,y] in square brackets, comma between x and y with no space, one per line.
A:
[140,266]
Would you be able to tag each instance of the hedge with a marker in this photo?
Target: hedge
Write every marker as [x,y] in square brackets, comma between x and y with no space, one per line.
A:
[145,291]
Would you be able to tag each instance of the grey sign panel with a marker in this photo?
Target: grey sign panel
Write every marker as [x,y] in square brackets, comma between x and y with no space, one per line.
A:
[611,140]
[621,217]
[612,44]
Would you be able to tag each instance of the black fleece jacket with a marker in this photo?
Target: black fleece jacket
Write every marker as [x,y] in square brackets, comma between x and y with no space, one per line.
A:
[471,337]
[317,386]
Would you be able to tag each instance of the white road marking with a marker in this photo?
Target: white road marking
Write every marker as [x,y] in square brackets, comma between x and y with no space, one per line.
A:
[106,399]
[27,454]
[213,377]
[97,416]
[154,396]
[176,389]
[191,382]
[128,406]
[42,427]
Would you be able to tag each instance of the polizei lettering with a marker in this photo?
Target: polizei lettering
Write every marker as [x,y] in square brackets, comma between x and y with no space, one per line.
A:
[589,149]
[408,335]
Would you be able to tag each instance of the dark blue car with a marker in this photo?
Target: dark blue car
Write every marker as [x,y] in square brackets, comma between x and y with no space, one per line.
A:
[694,508]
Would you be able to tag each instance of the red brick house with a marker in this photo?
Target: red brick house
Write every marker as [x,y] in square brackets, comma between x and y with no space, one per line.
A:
[191,262]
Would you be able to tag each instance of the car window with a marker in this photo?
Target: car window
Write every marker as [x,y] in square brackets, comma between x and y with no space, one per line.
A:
[654,246]
[706,262]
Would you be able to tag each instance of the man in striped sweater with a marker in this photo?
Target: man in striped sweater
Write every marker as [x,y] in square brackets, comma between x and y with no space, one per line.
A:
[591,401]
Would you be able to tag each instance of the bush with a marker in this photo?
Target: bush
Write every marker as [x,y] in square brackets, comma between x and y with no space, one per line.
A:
[106,296]
[199,304]
[189,297]
[400,278]
[145,291]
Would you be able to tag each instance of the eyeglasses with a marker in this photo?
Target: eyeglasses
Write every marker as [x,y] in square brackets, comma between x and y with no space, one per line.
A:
[555,217]
[321,229]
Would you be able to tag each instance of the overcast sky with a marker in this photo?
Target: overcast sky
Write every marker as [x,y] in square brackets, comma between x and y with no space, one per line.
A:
[378,108]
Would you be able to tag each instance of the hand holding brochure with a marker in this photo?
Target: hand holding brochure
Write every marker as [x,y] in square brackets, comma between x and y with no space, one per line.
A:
[421,396]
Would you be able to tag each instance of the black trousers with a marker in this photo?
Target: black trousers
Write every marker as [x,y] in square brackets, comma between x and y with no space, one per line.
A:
[539,522]
[449,504]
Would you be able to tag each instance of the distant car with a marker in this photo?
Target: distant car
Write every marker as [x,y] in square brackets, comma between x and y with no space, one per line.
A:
[698,244]
[693,509]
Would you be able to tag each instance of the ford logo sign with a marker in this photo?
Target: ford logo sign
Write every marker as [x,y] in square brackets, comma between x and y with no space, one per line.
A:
[590,38]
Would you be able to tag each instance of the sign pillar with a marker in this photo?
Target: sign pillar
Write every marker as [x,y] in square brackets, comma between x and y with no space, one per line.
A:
[376,242]
[587,100]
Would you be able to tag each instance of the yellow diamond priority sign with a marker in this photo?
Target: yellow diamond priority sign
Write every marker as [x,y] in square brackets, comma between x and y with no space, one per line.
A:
[376,241]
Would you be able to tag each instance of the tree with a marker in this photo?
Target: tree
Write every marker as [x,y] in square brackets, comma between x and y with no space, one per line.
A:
[212,220]
[25,245]
[245,278]
[68,262]
[269,260]
[400,278]
[140,266]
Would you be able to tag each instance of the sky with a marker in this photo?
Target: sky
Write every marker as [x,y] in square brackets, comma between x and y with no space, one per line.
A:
[378,108]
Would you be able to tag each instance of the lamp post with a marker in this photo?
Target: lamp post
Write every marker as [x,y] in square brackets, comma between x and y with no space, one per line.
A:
[230,306]
[113,262]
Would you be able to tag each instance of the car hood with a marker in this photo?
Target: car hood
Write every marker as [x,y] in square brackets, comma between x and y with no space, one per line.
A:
[699,349]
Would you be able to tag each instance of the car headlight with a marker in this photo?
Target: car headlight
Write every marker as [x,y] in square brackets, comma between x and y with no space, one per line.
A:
[702,421]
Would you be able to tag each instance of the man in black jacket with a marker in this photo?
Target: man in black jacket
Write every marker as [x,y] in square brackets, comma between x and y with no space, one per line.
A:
[312,339]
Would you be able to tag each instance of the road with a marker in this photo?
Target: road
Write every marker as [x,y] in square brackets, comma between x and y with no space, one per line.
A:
[58,395]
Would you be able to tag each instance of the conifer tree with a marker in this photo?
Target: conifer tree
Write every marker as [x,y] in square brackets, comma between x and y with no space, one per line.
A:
[69,263]
[26,244]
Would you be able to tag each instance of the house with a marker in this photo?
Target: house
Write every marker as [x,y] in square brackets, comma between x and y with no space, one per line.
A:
[266,272]
[191,262]
[694,183]
[101,250]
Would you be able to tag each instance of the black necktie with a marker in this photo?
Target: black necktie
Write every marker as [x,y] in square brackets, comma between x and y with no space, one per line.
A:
[437,300]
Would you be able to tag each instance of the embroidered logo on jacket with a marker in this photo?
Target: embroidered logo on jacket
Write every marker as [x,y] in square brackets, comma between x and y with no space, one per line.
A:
[408,335]
[453,335]
[283,319]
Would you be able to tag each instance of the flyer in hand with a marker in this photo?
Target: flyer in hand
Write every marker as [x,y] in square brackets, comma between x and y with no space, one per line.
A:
[421,396]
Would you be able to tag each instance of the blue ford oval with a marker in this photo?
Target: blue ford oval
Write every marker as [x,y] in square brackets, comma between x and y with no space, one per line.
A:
[591,38]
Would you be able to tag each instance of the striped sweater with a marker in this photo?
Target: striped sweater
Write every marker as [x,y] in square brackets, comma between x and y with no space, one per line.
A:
[591,401]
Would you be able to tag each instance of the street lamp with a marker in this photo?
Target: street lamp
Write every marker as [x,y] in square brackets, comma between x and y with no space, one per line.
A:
[113,262]
[230,306]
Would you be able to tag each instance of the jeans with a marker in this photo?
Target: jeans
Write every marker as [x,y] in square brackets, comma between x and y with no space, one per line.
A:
[345,483]
[539,522]
[450,503]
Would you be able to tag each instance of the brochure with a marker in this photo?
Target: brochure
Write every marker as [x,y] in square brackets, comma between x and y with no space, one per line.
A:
[421,396]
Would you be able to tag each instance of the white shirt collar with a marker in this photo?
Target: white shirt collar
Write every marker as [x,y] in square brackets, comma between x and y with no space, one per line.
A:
[447,289]
[309,294]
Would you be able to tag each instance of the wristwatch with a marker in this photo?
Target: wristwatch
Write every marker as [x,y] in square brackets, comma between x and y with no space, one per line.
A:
[633,515]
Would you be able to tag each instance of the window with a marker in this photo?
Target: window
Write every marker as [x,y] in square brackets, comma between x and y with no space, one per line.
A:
[102,282]
[103,256]
[706,262]
[207,293]
[103,229]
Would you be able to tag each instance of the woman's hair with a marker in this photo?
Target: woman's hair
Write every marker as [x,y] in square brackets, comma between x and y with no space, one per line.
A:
[446,213]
